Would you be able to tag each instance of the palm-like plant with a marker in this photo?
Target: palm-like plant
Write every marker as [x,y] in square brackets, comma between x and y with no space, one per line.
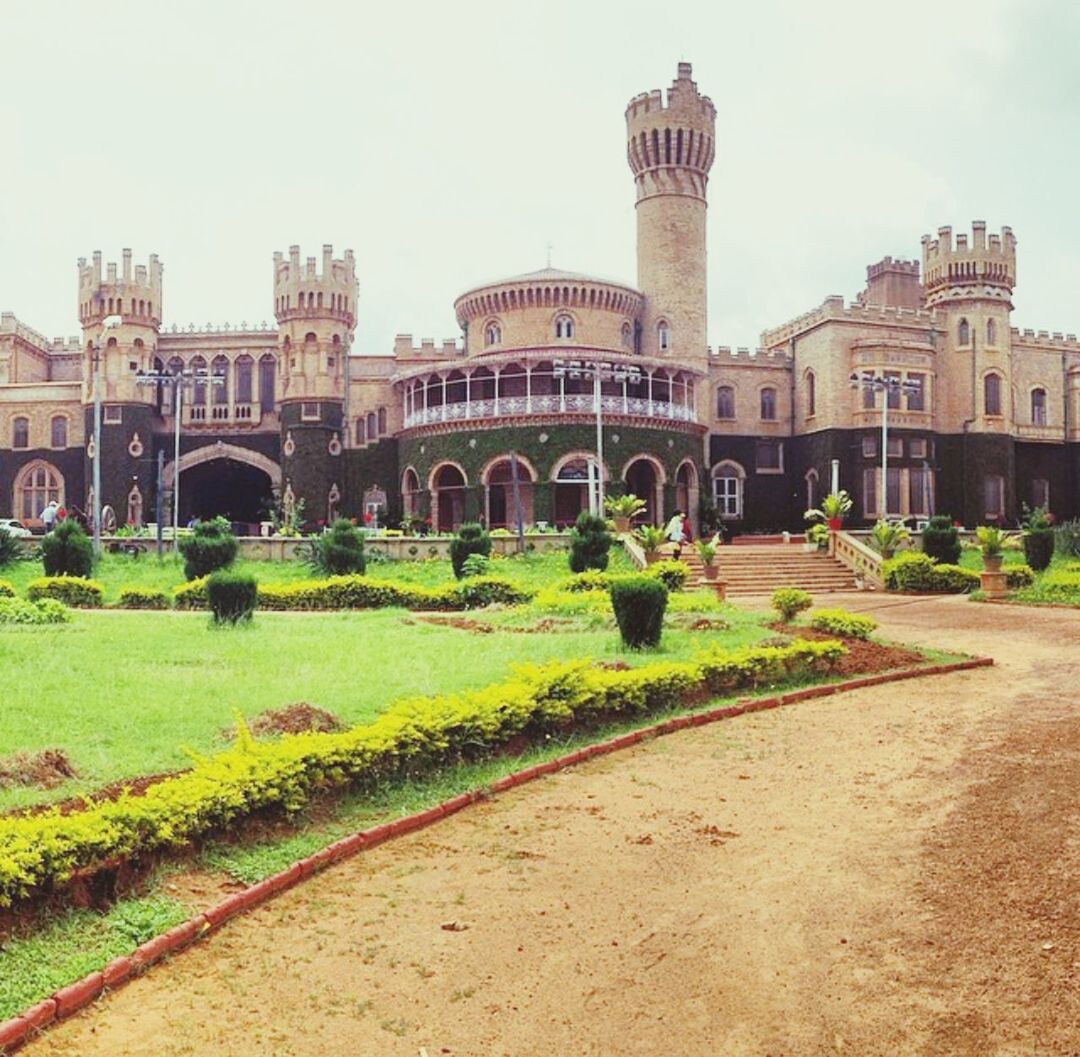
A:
[706,550]
[651,539]
[887,537]
[834,506]
[627,506]
[992,540]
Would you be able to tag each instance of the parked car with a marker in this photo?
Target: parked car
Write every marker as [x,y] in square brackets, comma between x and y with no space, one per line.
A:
[14,526]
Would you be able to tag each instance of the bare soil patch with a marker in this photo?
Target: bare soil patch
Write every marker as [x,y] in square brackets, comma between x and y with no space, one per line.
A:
[43,770]
[863,657]
[544,626]
[298,718]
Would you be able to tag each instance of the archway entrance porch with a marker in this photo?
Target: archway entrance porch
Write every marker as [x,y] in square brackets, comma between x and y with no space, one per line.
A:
[241,493]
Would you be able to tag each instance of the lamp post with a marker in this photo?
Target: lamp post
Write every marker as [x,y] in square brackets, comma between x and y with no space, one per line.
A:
[599,371]
[867,381]
[108,323]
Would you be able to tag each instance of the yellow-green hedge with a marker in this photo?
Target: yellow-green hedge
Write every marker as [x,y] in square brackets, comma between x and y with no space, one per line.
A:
[71,590]
[6,590]
[412,736]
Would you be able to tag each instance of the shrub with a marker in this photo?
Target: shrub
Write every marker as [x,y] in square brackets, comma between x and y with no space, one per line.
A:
[1018,576]
[476,565]
[9,548]
[913,571]
[67,550]
[639,603]
[338,551]
[590,542]
[1038,539]
[790,601]
[46,611]
[887,537]
[941,540]
[671,574]
[1061,587]
[211,546]
[191,595]
[6,590]
[71,590]
[471,539]
[587,581]
[841,622]
[650,538]
[143,598]
[232,596]
[1067,538]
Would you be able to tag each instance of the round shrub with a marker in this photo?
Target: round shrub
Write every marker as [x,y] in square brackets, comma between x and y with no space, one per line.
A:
[639,603]
[143,598]
[211,546]
[590,542]
[471,539]
[843,623]
[339,551]
[9,548]
[671,573]
[6,590]
[71,590]
[790,601]
[941,540]
[1039,548]
[67,550]
[914,571]
[1018,576]
[232,596]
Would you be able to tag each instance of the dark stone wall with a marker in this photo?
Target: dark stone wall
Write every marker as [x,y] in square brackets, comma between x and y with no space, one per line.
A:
[769,499]
[70,462]
[373,466]
[119,468]
[311,469]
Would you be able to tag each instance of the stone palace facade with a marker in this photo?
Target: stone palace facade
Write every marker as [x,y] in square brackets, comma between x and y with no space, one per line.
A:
[276,414]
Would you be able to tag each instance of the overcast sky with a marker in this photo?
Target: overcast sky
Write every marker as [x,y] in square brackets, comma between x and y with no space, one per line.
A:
[449,143]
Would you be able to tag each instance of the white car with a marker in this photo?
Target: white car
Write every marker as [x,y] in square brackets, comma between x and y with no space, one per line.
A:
[14,527]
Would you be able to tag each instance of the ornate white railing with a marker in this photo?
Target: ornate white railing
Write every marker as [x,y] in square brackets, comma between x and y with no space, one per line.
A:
[571,403]
[858,557]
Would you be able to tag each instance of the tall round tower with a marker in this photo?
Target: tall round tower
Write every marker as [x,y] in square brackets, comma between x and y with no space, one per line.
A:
[316,312]
[670,148]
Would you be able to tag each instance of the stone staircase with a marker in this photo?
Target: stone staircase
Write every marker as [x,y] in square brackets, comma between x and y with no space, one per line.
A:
[759,568]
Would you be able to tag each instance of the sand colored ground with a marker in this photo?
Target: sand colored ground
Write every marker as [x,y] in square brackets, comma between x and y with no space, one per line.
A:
[889,871]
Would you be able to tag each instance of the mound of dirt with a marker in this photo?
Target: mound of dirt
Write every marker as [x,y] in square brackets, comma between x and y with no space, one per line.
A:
[44,770]
[863,657]
[298,718]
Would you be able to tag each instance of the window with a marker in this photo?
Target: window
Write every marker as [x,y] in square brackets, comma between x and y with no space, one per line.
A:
[37,486]
[20,433]
[994,496]
[896,447]
[869,493]
[198,370]
[918,448]
[220,368]
[992,394]
[245,379]
[916,399]
[58,432]
[768,404]
[1038,407]
[811,489]
[372,426]
[769,456]
[869,446]
[893,379]
[892,491]
[728,491]
[663,336]
[309,411]
[492,334]
[361,432]
[963,333]
[627,335]
[920,491]
[564,327]
[725,402]
[114,414]
[382,421]
[267,370]
[1040,493]
[811,394]
[869,397]
[991,332]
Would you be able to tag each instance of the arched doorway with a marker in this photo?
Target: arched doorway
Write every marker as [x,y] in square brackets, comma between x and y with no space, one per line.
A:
[410,493]
[226,488]
[499,493]
[447,497]
[572,478]
[687,494]
[644,477]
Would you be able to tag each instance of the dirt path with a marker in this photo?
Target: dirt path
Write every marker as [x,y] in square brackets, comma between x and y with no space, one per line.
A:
[890,871]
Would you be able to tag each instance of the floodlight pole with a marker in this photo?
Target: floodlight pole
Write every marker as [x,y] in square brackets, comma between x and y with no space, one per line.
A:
[599,509]
[108,323]
[886,385]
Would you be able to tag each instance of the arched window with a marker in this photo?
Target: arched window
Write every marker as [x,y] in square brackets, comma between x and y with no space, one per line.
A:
[38,485]
[994,495]
[382,421]
[564,327]
[991,332]
[20,432]
[267,370]
[627,335]
[768,404]
[725,402]
[372,425]
[361,431]
[220,370]
[963,333]
[1038,407]
[992,394]
[198,390]
[245,372]
[728,479]
[811,489]
[663,336]
[811,394]
[492,334]
[1040,493]
[58,431]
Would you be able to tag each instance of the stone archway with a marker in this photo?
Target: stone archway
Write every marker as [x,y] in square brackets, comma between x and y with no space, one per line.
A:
[226,480]
[644,476]
[221,450]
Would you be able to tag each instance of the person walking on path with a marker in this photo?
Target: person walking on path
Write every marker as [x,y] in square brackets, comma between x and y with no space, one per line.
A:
[48,515]
[674,533]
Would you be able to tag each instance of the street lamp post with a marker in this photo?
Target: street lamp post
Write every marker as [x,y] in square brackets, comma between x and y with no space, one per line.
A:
[599,371]
[108,323]
[867,381]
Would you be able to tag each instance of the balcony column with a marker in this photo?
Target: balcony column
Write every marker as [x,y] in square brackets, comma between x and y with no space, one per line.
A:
[497,373]
[443,416]
[528,389]
[625,399]
[562,392]
[650,405]
[468,394]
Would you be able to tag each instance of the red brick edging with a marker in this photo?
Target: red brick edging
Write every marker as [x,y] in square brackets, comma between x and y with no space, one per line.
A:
[69,1000]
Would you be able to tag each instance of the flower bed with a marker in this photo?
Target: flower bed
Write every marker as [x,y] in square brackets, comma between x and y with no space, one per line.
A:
[413,736]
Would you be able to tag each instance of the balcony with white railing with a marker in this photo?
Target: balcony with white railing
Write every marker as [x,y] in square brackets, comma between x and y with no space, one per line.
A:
[247,414]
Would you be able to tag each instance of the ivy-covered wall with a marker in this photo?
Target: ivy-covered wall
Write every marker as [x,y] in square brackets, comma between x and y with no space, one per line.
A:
[375,465]
[307,463]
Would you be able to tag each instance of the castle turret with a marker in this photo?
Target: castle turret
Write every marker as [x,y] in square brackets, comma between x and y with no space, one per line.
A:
[316,312]
[670,148]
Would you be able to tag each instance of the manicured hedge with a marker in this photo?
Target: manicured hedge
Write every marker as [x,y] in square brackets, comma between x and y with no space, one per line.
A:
[47,611]
[411,737]
[71,590]
[6,590]
[844,623]
[143,598]
[912,571]
[671,574]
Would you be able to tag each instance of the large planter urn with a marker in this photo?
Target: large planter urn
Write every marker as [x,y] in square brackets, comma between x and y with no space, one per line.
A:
[711,572]
[835,524]
[994,584]
[622,525]
[652,556]
[992,563]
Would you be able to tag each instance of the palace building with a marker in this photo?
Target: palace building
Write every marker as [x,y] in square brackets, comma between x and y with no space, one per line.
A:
[275,414]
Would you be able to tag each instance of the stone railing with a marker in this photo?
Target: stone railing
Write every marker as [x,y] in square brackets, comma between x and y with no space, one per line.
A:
[553,404]
[858,557]
[634,551]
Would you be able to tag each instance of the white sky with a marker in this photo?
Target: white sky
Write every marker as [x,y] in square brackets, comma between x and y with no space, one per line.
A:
[448,143]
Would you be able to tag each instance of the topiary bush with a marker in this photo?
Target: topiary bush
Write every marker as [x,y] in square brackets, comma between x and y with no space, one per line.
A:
[1039,547]
[67,550]
[232,596]
[590,542]
[670,573]
[843,623]
[143,598]
[790,601]
[211,546]
[476,565]
[941,540]
[71,590]
[639,603]
[1018,576]
[9,548]
[339,551]
[47,611]
[914,571]
[471,539]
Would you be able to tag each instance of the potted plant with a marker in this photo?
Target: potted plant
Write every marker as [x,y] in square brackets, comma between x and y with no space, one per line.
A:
[651,539]
[706,550]
[992,542]
[623,509]
[817,538]
[887,537]
[834,508]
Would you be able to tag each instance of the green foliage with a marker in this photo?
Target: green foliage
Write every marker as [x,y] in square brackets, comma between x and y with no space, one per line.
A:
[476,565]
[639,603]
[1018,576]
[414,736]
[790,601]
[471,539]
[339,551]
[45,611]
[1039,538]
[10,548]
[590,542]
[232,596]
[71,590]
[650,537]
[628,506]
[1067,538]
[67,550]
[706,551]
[6,590]
[941,540]
[992,540]
[914,571]
[143,598]
[887,537]
[211,546]
[834,505]
[1062,587]
[672,574]
[843,623]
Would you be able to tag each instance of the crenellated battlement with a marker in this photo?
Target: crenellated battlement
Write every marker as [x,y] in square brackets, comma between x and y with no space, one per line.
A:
[954,268]
[746,357]
[683,99]
[888,266]
[303,290]
[111,289]
[1045,339]
[224,328]
[405,349]
[10,324]
[834,308]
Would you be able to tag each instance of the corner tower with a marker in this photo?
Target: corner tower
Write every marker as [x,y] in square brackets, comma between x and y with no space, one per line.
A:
[670,148]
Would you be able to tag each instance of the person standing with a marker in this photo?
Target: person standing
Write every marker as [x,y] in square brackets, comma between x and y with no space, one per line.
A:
[48,515]
[674,533]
